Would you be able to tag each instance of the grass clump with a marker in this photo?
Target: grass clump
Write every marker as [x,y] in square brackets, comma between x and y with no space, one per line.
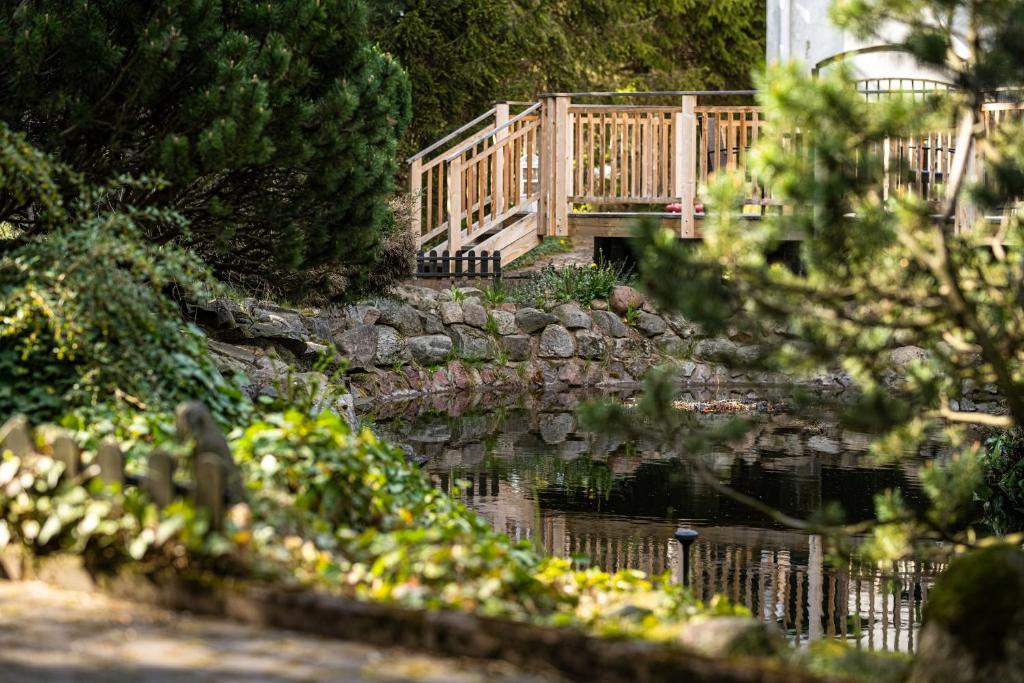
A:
[582,283]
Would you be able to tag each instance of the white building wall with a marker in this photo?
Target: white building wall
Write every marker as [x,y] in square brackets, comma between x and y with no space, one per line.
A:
[801,30]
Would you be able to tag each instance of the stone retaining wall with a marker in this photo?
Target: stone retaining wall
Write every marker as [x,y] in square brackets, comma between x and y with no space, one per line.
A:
[423,341]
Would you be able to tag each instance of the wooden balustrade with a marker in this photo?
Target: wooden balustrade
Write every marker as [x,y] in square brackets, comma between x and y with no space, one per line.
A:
[558,156]
[208,489]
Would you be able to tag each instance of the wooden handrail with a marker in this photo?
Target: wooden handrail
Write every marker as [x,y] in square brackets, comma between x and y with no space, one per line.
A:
[427,150]
[488,133]
[652,93]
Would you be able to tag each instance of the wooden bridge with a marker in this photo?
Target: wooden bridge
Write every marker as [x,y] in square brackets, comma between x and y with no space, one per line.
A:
[585,164]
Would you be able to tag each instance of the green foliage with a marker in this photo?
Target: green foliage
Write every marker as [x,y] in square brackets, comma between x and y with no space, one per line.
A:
[463,55]
[1003,494]
[881,270]
[46,513]
[554,285]
[275,124]
[830,657]
[343,512]
[495,295]
[84,316]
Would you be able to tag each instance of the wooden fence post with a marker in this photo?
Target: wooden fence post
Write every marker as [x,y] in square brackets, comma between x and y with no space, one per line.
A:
[560,166]
[553,209]
[455,204]
[66,451]
[686,164]
[111,463]
[500,119]
[209,488]
[416,193]
[160,478]
[544,163]
[16,436]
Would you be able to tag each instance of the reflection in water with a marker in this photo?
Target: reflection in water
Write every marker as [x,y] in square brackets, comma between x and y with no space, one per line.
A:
[616,505]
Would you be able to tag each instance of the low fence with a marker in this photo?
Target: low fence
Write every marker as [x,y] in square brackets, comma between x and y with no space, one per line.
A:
[208,489]
[467,264]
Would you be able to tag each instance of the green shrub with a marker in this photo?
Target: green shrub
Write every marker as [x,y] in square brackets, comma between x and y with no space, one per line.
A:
[275,124]
[85,316]
[1002,498]
[552,285]
[342,512]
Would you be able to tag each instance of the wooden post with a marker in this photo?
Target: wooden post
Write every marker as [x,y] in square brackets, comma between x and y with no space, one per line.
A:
[686,164]
[209,488]
[160,478]
[416,192]
[111,463]
[500,119]
[544,165]
[455,204]
[16,436]
[561,163]
[966,211]
[66,451]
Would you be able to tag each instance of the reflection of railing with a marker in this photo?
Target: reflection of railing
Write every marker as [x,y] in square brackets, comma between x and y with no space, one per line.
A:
[874,608]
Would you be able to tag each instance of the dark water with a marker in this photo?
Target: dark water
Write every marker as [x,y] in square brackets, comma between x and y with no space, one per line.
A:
[528,467]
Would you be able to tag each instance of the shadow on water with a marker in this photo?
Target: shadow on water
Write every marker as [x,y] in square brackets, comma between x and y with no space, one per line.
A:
[617,502]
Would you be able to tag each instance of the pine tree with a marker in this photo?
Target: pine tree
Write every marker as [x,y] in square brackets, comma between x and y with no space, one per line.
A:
[890,288]
[275,123]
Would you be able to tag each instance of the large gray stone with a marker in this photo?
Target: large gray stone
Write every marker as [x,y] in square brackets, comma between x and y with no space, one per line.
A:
[590,345]
[400,316]
[451,312]
[359,345]
[573,317]
[471,343]
[609,324]
[362,314]
[624,298]
[715,349]
[905,355]
[474,314]
[671,345]
[556,342]
[219,314]
[504,322]
[430,349]
[391,346]
[532,320]
[650,325]
[516,346]
[277,324]
[431,323]
[556,427]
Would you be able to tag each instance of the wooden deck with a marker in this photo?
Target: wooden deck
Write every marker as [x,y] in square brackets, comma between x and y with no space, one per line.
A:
[566,166]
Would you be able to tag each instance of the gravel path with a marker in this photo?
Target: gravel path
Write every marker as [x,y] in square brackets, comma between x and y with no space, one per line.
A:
[49,635]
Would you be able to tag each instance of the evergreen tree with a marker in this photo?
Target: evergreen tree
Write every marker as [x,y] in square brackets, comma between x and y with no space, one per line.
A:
[275,123]
[891,289]
[463,55]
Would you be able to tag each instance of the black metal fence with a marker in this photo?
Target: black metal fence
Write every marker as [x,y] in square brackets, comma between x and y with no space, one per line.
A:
[462,264]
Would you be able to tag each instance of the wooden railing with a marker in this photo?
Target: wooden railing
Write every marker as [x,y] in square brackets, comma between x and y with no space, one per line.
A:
[211,472]
[565,153]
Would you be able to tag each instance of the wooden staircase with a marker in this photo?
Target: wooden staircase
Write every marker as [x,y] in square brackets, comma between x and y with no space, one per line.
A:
[478,188]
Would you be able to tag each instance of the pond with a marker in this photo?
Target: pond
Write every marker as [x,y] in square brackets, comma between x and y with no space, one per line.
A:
[526,465]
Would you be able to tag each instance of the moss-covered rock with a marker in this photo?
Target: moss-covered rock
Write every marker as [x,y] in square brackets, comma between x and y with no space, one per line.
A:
[974,620]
